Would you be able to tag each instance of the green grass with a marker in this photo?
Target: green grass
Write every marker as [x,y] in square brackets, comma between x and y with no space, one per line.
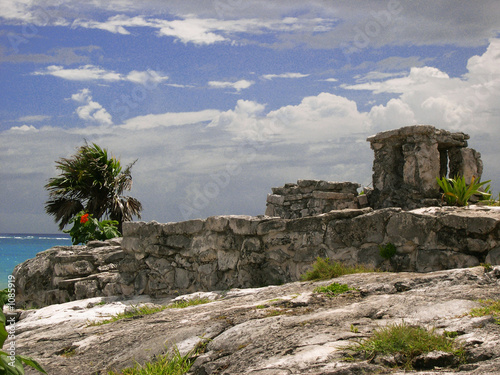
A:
[174,364]
[186,303]
[407,341]
[138,311]
[489,307]
[333,290]
[145,310]
[324,269]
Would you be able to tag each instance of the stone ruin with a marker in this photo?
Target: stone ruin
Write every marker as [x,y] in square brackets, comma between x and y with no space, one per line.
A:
[407,162]
[303,221]
[311,197]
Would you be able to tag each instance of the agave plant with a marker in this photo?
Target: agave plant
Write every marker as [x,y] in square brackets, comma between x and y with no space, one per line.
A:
[457,192]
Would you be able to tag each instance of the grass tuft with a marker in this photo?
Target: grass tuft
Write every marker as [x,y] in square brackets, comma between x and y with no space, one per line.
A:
[489,307]
[174,364]
[146,310]
[333,290]
[186,303]
[324,269]
[408,342]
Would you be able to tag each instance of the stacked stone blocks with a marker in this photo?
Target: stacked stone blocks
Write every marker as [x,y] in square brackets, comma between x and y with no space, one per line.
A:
[311,197]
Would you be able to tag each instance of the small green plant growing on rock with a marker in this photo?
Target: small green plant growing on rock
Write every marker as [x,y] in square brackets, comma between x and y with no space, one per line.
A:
[171,364]
[406,343]
[333,290]
[186,303]
[456,192]
[489,307]
[324,269]
[387,251]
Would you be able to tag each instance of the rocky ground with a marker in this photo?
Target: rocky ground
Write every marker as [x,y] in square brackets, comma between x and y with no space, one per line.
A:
[285,329]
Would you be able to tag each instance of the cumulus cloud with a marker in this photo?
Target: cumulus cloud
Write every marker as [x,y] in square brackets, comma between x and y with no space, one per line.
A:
[238,85]
[316,119]
[91,110]
[429,96]
[95,73]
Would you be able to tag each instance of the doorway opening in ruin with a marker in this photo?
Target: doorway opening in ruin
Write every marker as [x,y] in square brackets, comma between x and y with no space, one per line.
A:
[443,163]
[398,166]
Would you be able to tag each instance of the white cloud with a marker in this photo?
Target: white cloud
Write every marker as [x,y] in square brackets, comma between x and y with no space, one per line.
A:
[238,85]
[95,73]
[205,31]
[284,75]
[145,77]
[374,75]
[91,110]
[316,119]
[34,118]
[24,128]
[429,96]
[169,119]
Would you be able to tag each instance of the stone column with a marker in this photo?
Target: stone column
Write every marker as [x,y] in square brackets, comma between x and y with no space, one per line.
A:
[465,162]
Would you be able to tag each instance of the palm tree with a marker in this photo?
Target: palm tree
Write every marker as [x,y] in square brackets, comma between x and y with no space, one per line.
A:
[93,182]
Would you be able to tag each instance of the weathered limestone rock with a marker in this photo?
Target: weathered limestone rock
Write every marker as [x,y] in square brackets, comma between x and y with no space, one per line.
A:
[408,160]
[285,329]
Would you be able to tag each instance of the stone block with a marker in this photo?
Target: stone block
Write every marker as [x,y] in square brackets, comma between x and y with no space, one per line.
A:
[182,278]
[227,260]
[331,195]
[217,223]
[178,241]
[267,226]
[184,227]
[493,256]
[270,211]
[242,224]
[428,260]
[275,199]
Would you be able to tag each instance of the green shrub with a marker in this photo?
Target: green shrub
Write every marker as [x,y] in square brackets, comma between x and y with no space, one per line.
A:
[407,341]
[387,251]
[457,193]
[10,363]
[86,228]
[324,269]
[334,289]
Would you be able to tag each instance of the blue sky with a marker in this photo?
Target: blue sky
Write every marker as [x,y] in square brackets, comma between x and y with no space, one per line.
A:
[221,100]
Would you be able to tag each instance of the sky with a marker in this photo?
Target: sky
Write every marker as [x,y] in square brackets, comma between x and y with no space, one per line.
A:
[220,100]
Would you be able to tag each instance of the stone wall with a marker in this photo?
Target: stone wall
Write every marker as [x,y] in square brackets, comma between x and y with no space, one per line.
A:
[225,252]
[408,160]
[312,197]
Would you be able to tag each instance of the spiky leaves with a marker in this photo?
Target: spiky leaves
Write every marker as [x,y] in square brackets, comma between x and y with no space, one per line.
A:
[91,181]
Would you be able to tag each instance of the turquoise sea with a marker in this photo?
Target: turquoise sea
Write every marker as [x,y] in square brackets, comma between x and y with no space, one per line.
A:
[16,248]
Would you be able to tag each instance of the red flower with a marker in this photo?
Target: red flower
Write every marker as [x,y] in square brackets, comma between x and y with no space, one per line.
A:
[84,219]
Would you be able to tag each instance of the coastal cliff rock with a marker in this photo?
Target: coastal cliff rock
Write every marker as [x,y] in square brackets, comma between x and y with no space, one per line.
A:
[287,329]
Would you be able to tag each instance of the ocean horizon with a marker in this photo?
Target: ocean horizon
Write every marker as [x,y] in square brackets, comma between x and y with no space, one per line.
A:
[15,248]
